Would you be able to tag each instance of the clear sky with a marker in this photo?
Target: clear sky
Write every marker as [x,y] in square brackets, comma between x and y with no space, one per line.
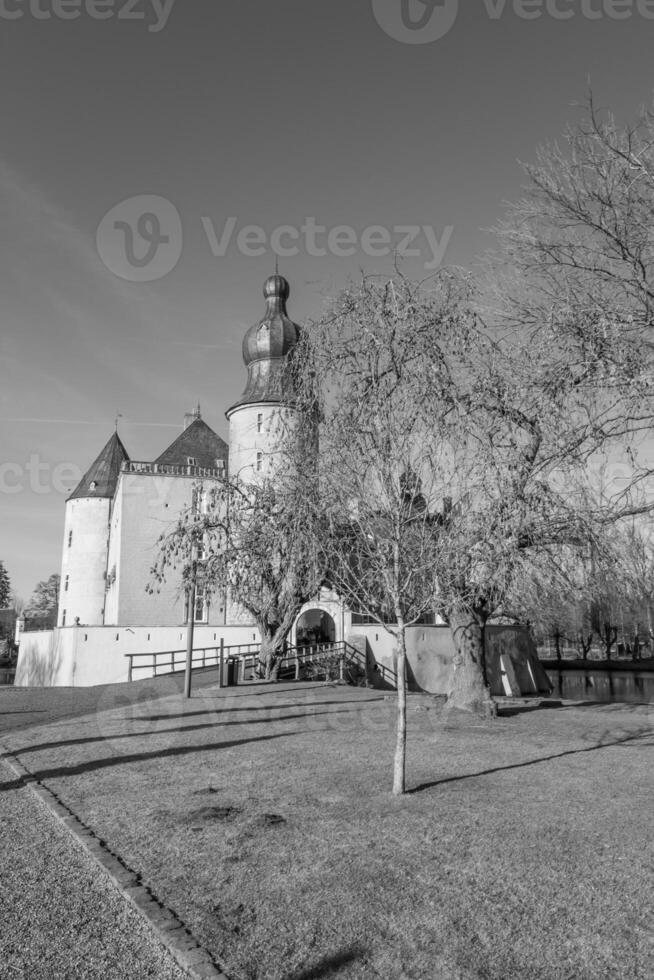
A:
[268,112]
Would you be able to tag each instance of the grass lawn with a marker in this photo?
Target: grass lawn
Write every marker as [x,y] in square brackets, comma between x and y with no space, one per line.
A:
[263,816]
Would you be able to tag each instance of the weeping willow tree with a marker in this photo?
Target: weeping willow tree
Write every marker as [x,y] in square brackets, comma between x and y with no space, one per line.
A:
[251,543]
[459,466]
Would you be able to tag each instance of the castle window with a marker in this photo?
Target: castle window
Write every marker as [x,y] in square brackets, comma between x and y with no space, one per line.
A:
[260,422]
[259,462]
[66,583]
[200,613]
[192,460]
[70,538]
[63,618]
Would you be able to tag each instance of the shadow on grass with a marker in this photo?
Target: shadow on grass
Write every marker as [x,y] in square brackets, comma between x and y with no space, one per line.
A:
[531,762]
[26,711]
[508,711]
[119,760]
[633,706]
[328,965]
[258,707]
[160,731]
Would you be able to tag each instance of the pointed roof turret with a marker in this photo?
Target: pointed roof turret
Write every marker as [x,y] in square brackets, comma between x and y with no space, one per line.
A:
[266,344]
[197,442]
[101,478]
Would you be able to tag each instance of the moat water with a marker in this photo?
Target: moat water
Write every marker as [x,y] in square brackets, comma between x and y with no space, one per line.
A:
[608,686]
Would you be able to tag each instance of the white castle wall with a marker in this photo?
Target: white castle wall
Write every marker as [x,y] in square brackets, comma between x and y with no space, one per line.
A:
[147,505]
[84,561]
[253,429]
[83,657]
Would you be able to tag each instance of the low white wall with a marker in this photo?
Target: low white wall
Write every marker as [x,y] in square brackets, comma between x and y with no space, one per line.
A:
[46,658]
[81,656]
[511,661]
[429,653]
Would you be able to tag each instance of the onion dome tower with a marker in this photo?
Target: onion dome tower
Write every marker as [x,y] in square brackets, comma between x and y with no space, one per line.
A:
[258,419]
[86,539]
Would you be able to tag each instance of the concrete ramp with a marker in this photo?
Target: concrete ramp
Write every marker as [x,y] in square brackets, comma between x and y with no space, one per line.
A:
[513,666]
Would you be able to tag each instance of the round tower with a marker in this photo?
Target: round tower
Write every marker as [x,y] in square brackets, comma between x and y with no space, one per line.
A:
[260,419]
[86,539]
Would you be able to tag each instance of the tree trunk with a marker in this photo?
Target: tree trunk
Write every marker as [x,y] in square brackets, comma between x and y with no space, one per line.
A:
[469,689]
[267,658]
[399,765]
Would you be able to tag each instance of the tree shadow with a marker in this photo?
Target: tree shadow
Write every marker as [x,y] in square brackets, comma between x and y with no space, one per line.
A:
[328,965]
[245,690]
[531,762]
[256,707]
[510,710]
[95,765]
[631,706]
[91,739]
[26,711]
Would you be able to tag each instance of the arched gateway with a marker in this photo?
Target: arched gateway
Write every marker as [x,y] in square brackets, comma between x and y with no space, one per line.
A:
[314,626]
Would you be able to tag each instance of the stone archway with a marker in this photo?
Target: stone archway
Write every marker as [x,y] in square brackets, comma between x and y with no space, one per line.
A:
[314,626]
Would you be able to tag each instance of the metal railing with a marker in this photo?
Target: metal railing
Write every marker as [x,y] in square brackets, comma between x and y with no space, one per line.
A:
[291,662]
[342,653]
[175,660]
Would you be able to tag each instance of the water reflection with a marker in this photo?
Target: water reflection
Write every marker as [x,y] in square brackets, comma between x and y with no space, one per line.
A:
[603,685]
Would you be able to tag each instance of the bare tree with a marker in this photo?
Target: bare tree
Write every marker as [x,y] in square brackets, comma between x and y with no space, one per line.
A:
[18,604]
[576,266]
[382,372]
[408,380]
[248,542]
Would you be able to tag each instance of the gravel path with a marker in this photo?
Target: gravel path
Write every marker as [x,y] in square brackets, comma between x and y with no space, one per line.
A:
[62,918]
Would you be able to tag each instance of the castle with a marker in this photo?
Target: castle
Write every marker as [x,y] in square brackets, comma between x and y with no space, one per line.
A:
[118,511]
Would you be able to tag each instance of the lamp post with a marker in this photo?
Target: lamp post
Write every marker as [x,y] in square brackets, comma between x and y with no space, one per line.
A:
[190,629]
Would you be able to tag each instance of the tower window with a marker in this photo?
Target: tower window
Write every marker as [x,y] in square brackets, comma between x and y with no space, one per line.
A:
[201,609]
[260,422]
[66,583]
[259,462]
[70,538]
[63,618]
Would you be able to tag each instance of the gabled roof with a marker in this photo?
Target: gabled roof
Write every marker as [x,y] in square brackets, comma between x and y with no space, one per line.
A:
[198,442]
[102,476]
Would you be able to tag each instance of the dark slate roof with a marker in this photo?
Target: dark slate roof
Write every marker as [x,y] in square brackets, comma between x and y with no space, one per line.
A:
[198,442]
[103,473]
